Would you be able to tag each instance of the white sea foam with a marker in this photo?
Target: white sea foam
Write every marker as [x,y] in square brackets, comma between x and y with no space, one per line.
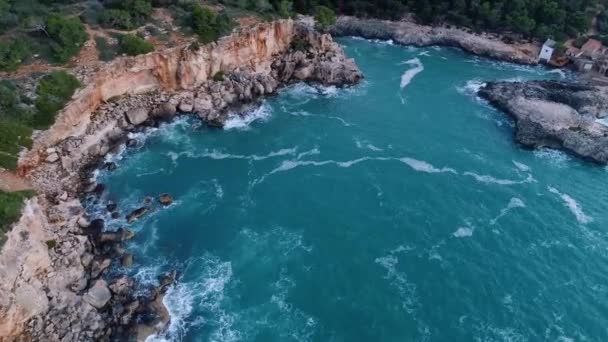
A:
[554,157]
[521,166]
[463,232]
[408,75]
[424,53]
[471,88]
[406,290]
[243,120]
[423,166]
[366,145]
[513,203]
[487,179]
[559,72]
[312,152]
[573,205]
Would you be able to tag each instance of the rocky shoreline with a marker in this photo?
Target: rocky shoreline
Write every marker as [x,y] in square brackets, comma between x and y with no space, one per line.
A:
[410,33]
[60,290]
[555,114]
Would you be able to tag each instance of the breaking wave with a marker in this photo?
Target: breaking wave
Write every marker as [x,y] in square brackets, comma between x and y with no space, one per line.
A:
[408,75]
[205,293]
[243,120]
[573,205]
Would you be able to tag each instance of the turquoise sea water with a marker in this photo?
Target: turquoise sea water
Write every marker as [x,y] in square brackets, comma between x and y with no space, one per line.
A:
[397,210]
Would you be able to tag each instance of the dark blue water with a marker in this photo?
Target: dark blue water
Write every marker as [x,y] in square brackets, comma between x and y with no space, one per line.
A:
[398,210]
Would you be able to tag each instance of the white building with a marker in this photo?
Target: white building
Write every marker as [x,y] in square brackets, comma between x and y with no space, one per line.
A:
[546,52]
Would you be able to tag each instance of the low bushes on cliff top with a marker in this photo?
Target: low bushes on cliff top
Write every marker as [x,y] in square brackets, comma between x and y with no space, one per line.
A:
[132,45]
[10,210]
[54,91]
[208,25]
[68,36]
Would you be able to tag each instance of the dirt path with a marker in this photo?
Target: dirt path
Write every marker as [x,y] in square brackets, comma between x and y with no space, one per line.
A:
[9,182]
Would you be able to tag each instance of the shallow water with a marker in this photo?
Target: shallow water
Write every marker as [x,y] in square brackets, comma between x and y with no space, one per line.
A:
[398,210]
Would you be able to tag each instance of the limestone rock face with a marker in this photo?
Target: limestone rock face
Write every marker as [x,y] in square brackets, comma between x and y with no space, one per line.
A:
[409,33]
[555,114]
[137,116]
[98,295]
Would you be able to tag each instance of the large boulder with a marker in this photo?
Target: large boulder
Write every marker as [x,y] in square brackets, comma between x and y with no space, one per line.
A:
[137,116]
[165,111]
[99,295]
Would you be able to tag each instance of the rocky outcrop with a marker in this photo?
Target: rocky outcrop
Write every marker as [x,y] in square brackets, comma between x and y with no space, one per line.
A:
[58,290]
[555,114]
[410,33]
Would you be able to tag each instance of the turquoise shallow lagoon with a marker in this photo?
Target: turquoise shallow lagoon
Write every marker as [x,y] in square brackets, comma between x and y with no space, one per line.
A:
[397,210]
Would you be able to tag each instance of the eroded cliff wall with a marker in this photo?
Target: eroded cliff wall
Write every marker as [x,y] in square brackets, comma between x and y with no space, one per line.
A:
[178,68]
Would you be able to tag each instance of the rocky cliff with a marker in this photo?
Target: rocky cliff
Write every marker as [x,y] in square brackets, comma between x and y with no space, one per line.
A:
[409,33]
[555,114]
[53,285]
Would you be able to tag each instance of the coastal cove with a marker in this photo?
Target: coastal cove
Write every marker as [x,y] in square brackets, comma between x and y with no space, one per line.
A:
[408,181]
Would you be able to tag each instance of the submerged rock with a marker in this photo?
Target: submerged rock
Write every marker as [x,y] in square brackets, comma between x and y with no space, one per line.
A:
[137,213]
[555,114]
[165,199]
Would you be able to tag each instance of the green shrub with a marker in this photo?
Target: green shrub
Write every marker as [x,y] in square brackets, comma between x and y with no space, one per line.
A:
[54,91]
[10,210]
[51,244]
[578,42]
[106,51]
[12,54]
[208,25]
[68,36]
[219,76]
[132,45]
[324,18]
[115,18]
[299,44]
[13,137]
[125,14]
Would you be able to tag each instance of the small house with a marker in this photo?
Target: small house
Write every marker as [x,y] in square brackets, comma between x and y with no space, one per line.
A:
[591,48]
[546,52]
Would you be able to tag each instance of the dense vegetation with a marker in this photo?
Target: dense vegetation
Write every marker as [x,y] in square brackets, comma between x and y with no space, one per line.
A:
[532,18]
[10,210]
[132,45]
[19,116]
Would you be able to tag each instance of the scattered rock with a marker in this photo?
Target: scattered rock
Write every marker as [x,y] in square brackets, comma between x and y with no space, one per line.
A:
[51,158]
[137,116]
[137,213]
[83,222]
[165,111]
[98,295]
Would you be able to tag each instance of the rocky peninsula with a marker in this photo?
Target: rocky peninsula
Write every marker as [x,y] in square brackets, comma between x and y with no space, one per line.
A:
[410,33]
[555,114]
[54,264]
